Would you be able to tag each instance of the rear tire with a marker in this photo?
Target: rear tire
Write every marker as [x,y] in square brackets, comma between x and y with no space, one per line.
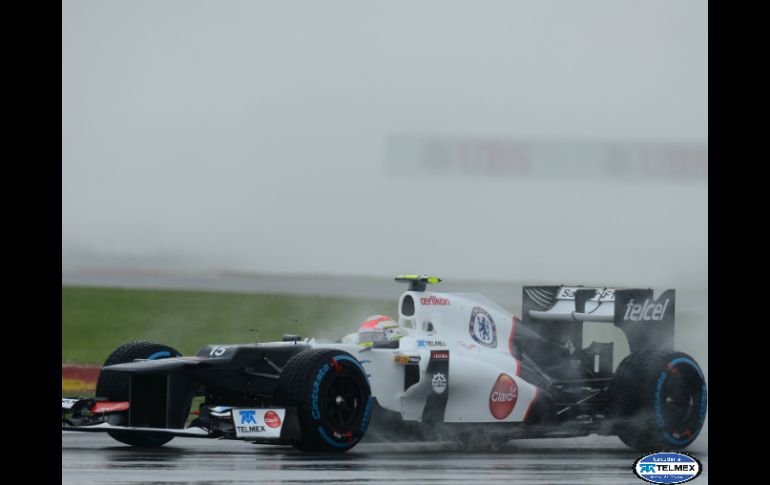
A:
[332,395]
[659,400]
[114,387]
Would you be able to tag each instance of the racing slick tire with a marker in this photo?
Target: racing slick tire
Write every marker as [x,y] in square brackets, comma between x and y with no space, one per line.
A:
[114,386]
[332,395]
[658,399]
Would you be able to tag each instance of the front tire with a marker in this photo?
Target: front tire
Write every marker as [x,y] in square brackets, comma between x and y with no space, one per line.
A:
[114,386]
[659,400]
[332,395]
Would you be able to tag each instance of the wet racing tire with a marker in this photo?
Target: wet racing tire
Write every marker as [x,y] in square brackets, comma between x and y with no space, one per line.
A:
[332,395]
[114,387]
[658,400]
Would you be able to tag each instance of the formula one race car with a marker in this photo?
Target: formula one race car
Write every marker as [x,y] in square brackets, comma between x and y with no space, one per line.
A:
[452,365]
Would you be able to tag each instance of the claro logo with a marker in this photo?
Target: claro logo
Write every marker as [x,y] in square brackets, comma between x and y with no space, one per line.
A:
[272,419]
[503,397]
[647,311]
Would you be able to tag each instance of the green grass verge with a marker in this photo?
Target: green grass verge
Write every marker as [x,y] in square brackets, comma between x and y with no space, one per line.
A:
[97,320]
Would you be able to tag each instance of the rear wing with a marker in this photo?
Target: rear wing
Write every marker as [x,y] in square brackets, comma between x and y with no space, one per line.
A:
[557,312]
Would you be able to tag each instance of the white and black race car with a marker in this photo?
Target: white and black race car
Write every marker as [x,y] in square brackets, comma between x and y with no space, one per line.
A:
[452,365]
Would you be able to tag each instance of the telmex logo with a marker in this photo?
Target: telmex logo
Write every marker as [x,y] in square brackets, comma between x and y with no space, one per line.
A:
[503,397]
[248,417]
[667,467]
[647,311]
[430,343]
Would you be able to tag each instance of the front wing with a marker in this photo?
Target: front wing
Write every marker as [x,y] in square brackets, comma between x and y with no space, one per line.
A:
[277,425]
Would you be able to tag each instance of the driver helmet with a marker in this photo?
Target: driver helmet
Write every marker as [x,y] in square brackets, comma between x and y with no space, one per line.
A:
[378,329]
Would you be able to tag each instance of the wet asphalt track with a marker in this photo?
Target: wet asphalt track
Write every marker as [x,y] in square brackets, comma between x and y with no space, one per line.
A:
[96,458]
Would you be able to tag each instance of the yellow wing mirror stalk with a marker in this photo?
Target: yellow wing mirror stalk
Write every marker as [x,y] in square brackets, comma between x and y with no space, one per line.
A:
[418,282]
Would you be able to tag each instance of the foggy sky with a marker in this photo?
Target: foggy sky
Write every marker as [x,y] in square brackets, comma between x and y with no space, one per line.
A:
[253,136]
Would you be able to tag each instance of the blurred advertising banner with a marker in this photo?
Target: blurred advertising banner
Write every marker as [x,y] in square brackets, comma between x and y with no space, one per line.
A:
[546,159]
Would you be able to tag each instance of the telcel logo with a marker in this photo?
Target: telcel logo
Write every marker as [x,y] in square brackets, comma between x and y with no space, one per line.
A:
[646,311]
